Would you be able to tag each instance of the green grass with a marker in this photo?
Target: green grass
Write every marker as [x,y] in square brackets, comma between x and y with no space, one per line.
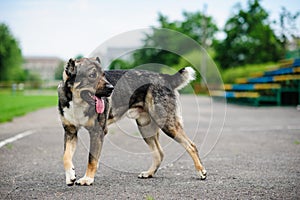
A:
[9,146]
[231,74]
[20,104]
[148,197]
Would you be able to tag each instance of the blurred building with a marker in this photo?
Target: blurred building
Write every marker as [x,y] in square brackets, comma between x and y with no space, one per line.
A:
[43,66]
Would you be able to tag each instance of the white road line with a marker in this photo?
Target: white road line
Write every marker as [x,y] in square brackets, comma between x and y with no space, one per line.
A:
[19,136]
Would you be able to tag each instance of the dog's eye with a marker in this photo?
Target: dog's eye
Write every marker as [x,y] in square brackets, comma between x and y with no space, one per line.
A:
[93,75]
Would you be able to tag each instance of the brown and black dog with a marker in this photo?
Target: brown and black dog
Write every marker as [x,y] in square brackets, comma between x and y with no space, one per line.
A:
[92,98]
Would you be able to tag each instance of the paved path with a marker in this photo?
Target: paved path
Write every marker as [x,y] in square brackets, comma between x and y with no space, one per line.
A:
[257,156]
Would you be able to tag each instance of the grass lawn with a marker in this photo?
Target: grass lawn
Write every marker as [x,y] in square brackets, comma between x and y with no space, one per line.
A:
[20,104]
[231,74]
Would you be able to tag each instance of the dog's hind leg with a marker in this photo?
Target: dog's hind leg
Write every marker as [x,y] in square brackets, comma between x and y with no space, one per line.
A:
[150,133]
[70,142]
[96,141]
[174,129]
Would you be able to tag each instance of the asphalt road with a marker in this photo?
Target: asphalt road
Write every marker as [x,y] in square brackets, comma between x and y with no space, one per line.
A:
[254,155]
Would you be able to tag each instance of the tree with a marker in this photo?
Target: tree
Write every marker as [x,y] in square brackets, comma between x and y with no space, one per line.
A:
[79,56]
[194,25]
[59,71]
[120,64]
[249,38]
[288,26]
[10,56]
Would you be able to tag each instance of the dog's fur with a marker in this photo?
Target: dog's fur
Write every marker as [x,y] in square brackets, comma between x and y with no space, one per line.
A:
[149,98]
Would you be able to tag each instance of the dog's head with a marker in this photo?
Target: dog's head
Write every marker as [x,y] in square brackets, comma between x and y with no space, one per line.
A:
[87,80]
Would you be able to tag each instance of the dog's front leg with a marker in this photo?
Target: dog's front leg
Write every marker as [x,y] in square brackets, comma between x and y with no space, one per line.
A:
[96,141]
[70,142]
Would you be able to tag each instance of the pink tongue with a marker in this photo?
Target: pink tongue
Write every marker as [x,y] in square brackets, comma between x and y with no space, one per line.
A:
[99,105]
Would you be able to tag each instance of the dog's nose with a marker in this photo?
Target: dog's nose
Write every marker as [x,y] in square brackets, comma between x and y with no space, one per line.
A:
[109,86]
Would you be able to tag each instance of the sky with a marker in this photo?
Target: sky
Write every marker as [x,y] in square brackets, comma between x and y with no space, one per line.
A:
[66,28]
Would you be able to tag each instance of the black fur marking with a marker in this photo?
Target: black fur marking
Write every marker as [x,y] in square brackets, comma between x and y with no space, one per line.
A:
[181,71]
[70,133]
[65,96]
[71,68]
[91,111]
[138,95]
[113,76]
[98,60]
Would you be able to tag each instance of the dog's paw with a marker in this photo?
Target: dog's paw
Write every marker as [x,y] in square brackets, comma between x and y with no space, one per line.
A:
[145,175]
[202,174]
[70,177]
[85,181]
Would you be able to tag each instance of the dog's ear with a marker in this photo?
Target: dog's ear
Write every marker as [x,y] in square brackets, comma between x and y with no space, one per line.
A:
[70,68]
[98,60]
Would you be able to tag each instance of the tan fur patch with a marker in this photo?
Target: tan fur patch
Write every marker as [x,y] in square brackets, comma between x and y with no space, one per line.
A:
[65,76]
[91,169]
[68,155]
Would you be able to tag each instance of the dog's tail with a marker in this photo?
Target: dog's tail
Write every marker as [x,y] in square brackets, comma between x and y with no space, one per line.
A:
[182,78]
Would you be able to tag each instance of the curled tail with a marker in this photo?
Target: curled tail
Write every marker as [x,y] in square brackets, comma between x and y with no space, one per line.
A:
[182,78]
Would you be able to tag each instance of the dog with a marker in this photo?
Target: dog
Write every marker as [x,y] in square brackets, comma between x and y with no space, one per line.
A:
[92,98]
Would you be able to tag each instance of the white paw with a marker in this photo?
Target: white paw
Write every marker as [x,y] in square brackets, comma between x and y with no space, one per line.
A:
[85,181]
[70,177]
[202,174]
[145,175]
